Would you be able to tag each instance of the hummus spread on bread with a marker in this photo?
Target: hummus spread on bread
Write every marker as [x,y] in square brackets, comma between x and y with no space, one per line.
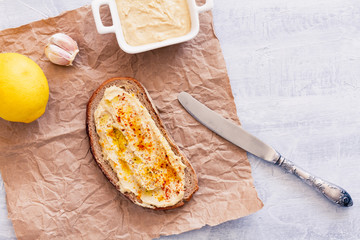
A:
[137,151]
[149,21]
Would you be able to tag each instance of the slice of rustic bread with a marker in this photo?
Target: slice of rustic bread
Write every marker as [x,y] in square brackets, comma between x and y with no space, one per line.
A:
[131,85]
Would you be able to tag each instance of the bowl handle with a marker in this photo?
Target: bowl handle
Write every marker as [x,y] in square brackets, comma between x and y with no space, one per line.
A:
[95,5]
[209,4]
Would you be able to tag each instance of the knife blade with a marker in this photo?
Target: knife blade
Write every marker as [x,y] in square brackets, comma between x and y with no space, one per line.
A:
[241,138]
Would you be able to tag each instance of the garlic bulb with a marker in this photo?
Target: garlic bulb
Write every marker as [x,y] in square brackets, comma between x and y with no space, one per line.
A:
[61,49]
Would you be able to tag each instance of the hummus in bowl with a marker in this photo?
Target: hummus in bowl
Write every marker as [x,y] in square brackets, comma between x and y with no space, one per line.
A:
[144,25]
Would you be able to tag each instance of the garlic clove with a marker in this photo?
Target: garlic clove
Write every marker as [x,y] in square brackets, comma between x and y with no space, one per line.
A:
[61,49]
[65,42]
[58,55]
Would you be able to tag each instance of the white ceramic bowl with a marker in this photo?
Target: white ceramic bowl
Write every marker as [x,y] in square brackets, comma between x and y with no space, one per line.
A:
[116,27]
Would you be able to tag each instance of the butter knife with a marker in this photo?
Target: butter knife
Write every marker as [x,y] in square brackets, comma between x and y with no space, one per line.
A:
[238,136]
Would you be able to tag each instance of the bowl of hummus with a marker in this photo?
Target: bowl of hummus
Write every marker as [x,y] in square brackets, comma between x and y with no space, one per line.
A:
[144,25]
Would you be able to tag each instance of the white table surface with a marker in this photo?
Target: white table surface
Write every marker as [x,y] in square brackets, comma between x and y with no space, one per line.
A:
[294,68]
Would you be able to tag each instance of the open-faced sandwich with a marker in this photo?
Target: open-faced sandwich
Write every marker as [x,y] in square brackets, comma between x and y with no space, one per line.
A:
[131,146]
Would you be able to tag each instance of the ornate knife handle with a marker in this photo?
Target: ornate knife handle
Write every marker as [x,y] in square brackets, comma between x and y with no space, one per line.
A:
[331,191]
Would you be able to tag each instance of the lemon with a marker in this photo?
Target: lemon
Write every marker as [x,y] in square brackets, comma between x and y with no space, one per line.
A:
[24,90]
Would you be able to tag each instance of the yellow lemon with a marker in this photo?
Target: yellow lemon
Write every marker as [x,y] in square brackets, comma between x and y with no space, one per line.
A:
[24,90]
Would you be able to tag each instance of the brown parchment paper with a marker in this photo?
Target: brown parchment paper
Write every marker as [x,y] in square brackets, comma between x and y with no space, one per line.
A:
[55,190]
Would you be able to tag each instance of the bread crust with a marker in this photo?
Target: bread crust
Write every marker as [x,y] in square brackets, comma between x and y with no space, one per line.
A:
[133,86]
